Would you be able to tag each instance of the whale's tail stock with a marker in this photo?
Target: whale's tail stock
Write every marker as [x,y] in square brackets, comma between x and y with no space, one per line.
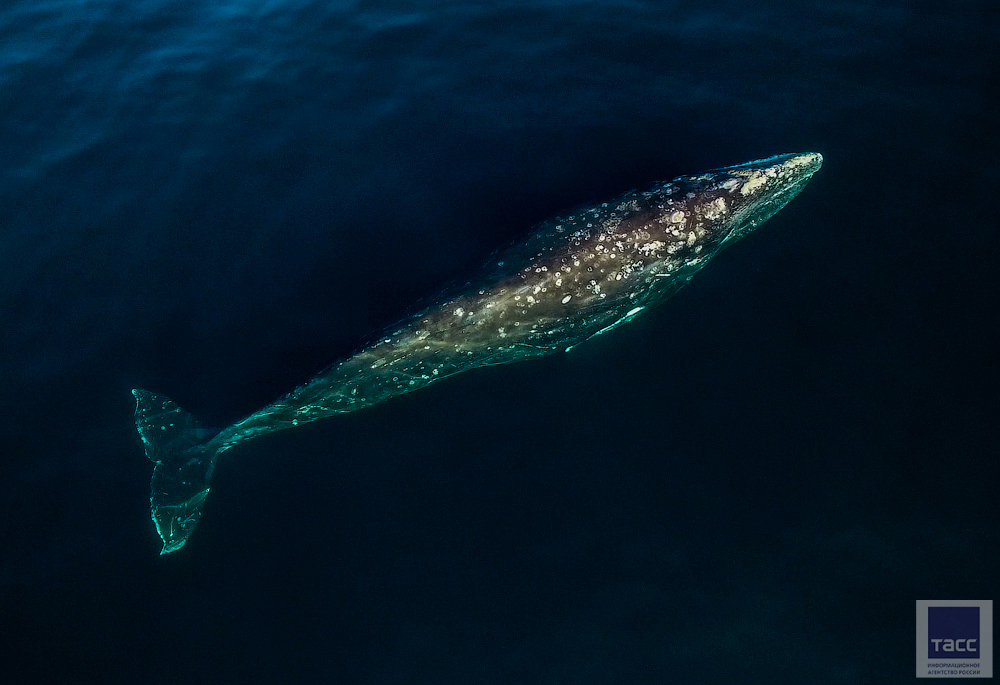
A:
[184,459]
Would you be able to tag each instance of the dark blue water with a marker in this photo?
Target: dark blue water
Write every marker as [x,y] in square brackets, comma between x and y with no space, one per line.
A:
[751,484]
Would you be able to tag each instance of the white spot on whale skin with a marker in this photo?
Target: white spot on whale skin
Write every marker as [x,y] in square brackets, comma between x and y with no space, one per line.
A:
[753,183]
[459,311]
[567,299]
[651,247]
[715,209]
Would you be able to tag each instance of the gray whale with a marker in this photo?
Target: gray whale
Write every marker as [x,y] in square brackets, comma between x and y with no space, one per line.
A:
[577,275]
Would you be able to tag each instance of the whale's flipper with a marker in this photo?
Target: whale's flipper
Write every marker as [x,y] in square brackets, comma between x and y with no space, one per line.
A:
[177,444]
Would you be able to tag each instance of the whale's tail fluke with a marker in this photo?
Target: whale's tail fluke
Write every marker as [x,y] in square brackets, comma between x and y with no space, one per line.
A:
[178,446]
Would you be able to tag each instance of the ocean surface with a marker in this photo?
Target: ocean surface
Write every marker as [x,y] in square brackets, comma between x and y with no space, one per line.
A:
[750,484]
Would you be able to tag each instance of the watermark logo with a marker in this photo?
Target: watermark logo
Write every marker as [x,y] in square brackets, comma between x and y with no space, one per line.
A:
[954,638]
[953,632]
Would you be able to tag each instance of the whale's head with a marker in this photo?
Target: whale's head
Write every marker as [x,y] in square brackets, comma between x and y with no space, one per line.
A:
[718,207]
[759,189]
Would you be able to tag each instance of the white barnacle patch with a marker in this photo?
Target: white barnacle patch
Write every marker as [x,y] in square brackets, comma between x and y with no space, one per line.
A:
[459,311]
[715,209]
[677,217]
[753,183]
[567,299]
[651,247]
[731,184]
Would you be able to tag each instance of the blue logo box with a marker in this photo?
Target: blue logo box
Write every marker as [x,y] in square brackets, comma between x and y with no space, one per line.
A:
[953,632]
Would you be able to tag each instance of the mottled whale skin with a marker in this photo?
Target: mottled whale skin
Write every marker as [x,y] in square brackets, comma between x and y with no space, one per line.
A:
[576,276]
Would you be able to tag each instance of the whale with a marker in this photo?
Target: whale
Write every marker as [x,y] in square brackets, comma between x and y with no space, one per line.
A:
[576,276]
